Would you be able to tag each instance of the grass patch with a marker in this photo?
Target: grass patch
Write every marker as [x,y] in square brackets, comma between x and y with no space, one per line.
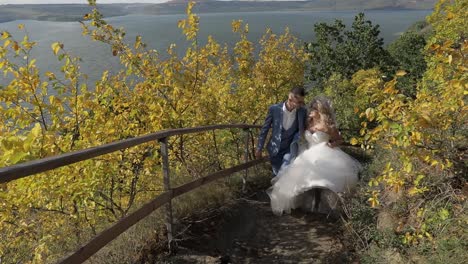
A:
[377,235]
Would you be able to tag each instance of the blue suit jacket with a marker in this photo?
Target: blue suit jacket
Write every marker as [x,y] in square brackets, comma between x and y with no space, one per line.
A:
[274,120]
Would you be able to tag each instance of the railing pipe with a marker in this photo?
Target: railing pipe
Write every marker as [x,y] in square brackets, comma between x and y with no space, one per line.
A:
[167,188]
[246,157]
[102,239]
[37,166]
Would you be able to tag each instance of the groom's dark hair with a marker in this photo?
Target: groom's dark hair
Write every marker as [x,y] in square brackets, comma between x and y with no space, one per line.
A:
[298,91]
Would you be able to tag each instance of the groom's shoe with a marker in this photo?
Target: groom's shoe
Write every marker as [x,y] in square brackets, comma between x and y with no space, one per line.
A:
[224,259]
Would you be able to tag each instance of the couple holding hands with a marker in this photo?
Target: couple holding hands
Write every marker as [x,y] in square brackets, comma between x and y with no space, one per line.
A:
[309,169]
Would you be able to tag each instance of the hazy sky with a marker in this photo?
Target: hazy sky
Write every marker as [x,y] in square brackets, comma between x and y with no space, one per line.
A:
[76,1]
[85,1]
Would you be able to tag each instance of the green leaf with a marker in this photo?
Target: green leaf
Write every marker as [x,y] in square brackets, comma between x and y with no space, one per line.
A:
[443,214]
[36,131]
[17,157]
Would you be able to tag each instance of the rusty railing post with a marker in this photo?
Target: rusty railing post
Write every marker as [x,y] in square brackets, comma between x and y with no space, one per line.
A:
[246,157]
[167,187]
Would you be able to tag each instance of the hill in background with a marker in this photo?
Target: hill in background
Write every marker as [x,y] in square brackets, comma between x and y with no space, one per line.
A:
[75,12]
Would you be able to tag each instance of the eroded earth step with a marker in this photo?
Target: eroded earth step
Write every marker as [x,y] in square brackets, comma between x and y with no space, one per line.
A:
[246,231]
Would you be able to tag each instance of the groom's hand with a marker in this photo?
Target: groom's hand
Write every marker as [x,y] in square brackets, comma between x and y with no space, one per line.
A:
[258,154]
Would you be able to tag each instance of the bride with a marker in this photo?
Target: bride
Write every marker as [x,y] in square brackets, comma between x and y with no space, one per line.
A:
[320,172]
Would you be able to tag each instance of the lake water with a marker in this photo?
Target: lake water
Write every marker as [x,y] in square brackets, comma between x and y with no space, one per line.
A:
[161,31]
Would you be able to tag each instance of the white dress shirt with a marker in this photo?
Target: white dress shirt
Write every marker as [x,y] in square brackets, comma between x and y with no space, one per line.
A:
[288,117]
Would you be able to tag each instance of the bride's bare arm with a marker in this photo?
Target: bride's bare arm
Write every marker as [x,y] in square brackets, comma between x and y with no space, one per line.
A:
[335,137]
[310,124]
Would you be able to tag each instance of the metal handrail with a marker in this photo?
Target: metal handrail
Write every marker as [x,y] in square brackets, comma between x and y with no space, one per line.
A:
[36,166]
[128,221]
[86,251]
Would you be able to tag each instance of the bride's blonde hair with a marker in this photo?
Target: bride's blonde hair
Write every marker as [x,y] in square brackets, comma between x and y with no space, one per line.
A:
[324,106]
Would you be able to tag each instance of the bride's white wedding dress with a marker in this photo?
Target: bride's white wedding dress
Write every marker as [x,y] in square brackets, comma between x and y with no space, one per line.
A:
[318,166]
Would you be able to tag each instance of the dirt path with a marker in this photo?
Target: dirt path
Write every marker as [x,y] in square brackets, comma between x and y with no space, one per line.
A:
[248,232]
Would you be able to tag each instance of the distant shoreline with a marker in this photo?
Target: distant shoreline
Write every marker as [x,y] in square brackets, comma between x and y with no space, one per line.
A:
[79,17]
[75,12]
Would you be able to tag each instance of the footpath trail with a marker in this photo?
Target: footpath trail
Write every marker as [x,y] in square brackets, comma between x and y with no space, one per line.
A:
[246,231]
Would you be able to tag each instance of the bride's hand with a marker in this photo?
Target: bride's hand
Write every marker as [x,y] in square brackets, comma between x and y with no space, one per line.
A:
[336,138]
[258,154]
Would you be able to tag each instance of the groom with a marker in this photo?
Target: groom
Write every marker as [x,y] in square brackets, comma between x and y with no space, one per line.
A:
[287,121]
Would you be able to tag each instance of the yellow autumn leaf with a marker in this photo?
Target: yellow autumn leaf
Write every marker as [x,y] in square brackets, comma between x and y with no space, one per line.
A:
[36,131]
[181,24]
[56,46]
[5,35]
[370,114]
[50,75]
[236,25]
[373,202]
[137,42]
[6,43]
[408,167]
[400,73]
[426,117]
[450,15]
